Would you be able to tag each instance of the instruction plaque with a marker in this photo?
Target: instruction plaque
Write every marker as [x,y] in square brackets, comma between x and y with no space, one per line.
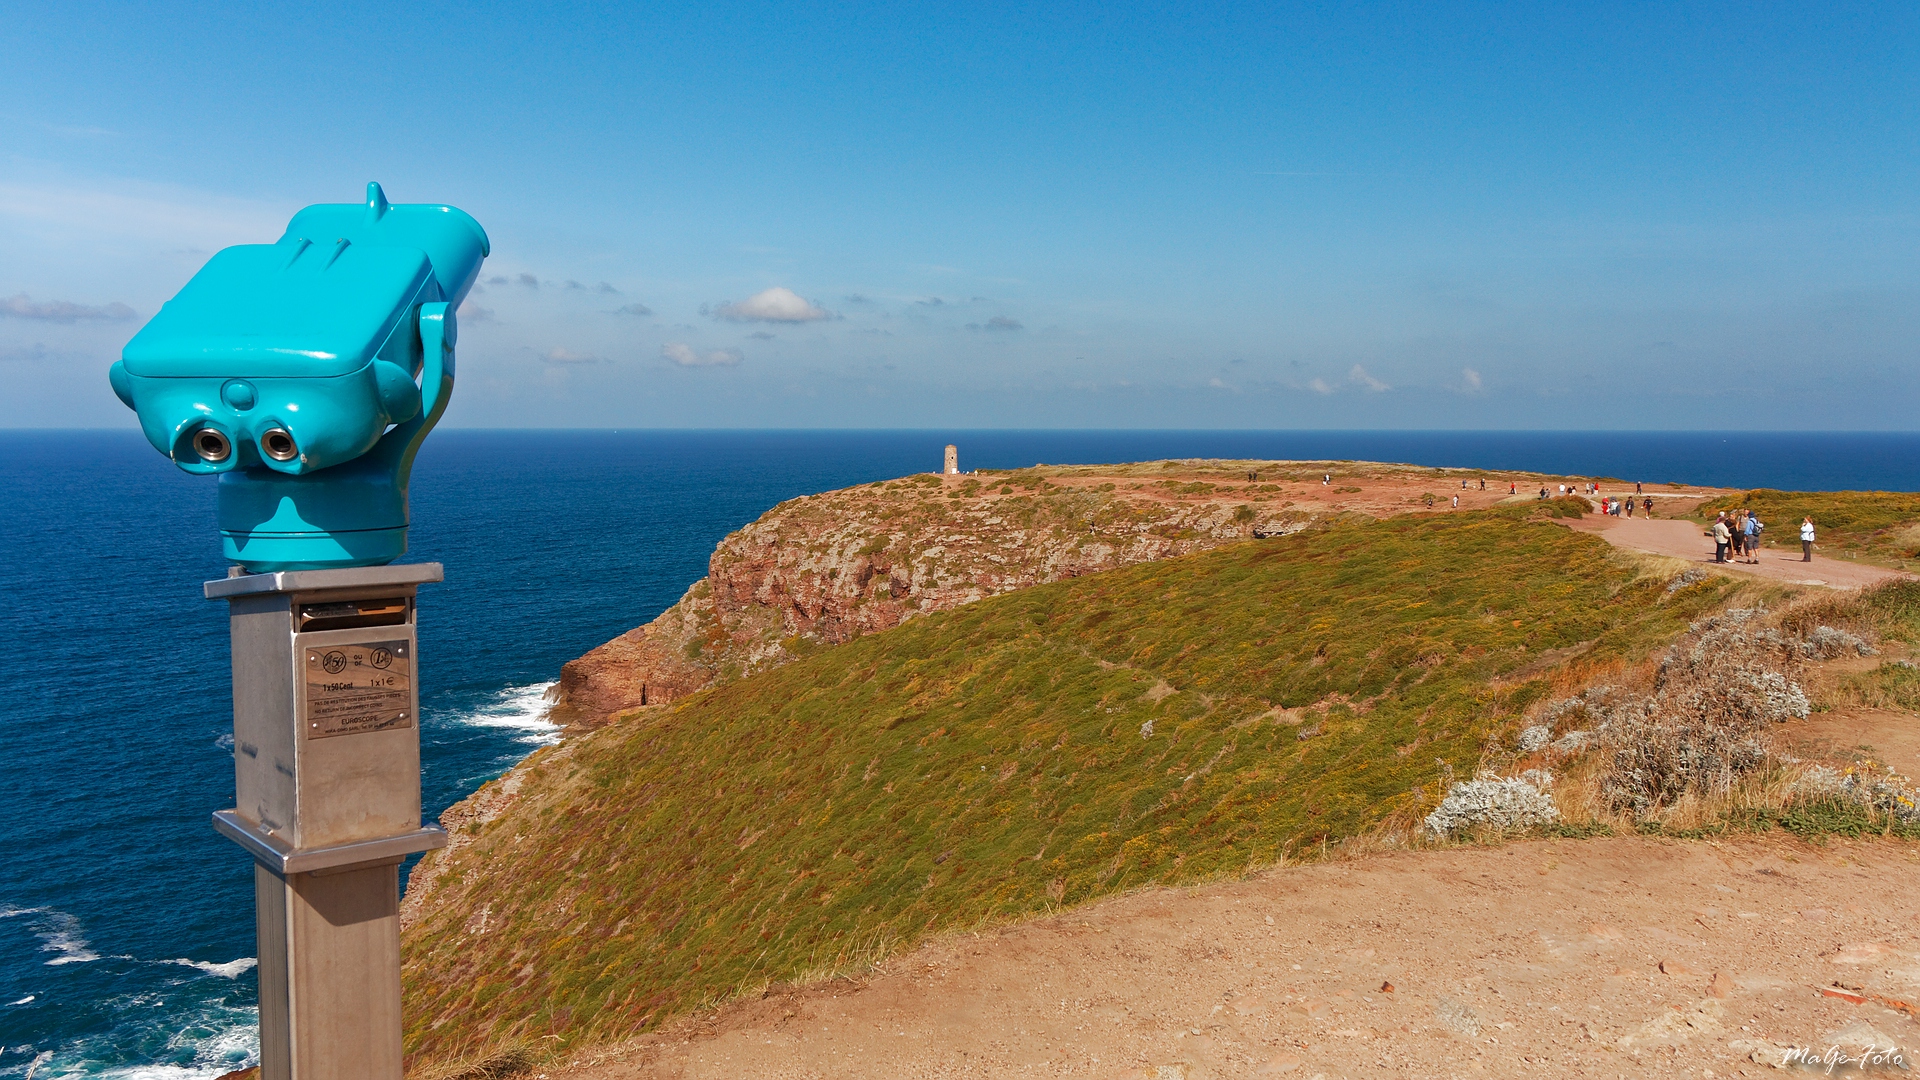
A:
[365,686]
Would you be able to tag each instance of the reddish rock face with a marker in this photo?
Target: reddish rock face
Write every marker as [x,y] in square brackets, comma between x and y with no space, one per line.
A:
[825,569]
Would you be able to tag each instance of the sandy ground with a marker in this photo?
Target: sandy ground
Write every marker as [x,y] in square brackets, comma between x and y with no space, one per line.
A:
[1686,540]
[1603,958]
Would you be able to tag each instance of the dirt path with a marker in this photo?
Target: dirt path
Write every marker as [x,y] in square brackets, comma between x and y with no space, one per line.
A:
[1684,540]
[1606,957]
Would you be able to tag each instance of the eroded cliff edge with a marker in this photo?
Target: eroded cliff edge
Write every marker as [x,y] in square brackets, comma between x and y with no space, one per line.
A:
[828,568]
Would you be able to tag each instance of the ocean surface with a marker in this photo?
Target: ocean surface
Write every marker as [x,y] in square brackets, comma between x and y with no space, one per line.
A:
[126,924]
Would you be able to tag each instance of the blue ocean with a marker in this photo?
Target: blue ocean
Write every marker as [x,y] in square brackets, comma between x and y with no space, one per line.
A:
[126,924]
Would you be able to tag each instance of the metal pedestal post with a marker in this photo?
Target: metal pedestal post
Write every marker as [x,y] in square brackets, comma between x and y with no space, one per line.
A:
[327,791]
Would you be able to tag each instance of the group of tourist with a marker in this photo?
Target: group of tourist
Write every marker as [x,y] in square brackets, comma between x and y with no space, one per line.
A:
[1614,506]
[1737,534]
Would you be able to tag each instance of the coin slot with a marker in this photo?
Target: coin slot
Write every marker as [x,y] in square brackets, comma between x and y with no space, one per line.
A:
[350,614]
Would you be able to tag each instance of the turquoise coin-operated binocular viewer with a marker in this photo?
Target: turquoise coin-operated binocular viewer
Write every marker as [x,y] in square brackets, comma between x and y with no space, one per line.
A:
[306,373]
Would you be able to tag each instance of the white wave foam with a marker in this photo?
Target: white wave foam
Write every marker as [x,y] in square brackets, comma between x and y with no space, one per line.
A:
[519,708]
[24,1001]
[213,1042]
[232,969]
[59,933]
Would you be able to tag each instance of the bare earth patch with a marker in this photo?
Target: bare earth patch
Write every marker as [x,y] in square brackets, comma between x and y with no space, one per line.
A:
[1586,957]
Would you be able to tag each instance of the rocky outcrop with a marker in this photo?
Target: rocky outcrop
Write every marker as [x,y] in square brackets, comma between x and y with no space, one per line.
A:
[828,568]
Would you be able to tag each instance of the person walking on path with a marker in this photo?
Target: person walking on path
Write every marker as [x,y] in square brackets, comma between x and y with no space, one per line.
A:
[1648,506]
[1721,537]
[1752,531]
[1806,540]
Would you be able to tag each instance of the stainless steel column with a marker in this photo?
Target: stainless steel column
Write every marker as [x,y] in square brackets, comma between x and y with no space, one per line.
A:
[326,750]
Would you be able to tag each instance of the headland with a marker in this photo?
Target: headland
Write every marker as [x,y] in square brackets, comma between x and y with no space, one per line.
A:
[899,723]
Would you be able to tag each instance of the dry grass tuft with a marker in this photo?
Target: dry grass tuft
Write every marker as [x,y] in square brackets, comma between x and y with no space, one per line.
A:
[498,1063]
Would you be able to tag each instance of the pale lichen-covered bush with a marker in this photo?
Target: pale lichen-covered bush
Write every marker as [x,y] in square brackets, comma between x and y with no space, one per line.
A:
[1889,792]
[1826,643]
[1504,803]
[1716,690]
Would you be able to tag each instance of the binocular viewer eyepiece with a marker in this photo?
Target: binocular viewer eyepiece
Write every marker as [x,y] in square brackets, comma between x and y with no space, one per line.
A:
[306,373]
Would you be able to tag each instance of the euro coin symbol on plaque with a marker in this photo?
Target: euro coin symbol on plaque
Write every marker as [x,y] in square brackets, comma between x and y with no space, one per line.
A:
[380,658]
[335,662]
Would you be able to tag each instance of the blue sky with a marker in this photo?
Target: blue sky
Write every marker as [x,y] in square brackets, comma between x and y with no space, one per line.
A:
[1113,215]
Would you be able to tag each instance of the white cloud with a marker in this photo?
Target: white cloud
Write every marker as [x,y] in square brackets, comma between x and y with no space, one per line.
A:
[1470,380]
[686,355]
[1319,386]
[558,355]
[1362,377]
[777,304]
[472,313]
[63,311]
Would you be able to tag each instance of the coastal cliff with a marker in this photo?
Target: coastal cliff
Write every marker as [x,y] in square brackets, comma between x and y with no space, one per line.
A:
[829,568]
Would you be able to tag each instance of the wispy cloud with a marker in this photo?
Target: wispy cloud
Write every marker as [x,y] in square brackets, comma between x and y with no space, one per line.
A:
[529,281]
[28,354]
[1319,386]
[64,311]
[635,309]
[473,313]
[558,355]
[1470,381]
[686,355]
[153,213]
[1001,322]
[1360,377]
[778,304]
[606,288]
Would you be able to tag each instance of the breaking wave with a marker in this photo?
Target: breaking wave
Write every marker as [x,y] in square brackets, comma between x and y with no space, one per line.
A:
[522,709]
[232,969]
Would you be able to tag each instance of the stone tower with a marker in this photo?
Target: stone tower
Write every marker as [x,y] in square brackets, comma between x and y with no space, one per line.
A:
[952,467]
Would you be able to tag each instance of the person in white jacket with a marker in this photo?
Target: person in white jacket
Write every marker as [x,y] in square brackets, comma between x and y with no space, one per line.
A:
[1806,539]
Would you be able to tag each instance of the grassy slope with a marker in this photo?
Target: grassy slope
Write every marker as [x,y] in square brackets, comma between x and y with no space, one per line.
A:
[989,762]
[1879,525]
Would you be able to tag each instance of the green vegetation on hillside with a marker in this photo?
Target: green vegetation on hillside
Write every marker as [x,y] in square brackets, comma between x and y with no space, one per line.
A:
[1882,526]
[1168,722]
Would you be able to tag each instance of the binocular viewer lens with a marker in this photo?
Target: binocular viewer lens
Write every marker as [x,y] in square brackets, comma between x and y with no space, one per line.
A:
[277,444]
[212,446]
